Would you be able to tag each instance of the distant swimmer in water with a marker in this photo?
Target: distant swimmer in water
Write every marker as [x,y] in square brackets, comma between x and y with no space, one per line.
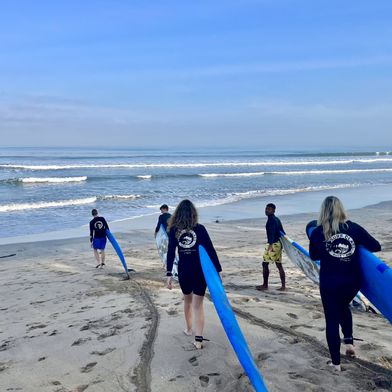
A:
[273,249]
[335,242]
[98,227]
[186,234]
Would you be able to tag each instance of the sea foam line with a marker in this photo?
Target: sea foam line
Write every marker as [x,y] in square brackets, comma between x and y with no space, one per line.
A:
[33,180]
[193,165]
[63,203]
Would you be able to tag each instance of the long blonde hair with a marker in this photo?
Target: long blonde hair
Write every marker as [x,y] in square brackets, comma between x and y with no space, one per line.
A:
[332,214]
[184,217]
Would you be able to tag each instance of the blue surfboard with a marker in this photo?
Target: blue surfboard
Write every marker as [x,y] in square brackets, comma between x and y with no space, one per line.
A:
[229,322]
[118,250]
[376,279]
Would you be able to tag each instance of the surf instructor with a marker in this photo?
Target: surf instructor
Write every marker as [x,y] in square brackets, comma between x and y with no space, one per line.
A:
[186,234]
[335,242]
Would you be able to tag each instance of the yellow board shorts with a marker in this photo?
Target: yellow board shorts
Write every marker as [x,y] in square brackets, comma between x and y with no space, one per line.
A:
[274,256]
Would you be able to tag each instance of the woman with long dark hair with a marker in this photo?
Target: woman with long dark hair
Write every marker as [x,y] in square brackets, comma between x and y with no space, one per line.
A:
[186,234]
[335,242]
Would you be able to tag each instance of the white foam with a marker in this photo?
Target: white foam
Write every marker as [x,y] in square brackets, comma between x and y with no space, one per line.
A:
[49,204]
[34,180]
[213,175]
[119,197]
[196,165]
[348,171]
[145,177]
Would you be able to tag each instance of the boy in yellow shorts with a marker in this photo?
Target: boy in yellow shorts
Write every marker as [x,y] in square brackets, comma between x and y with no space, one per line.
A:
[273,250]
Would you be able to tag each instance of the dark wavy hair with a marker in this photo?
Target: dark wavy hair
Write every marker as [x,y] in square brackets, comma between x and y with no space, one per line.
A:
[185,216]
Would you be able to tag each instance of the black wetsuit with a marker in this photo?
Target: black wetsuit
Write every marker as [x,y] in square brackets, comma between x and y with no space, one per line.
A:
[273,227]
[190,273]
[163,220]
[340,278]
[98,227]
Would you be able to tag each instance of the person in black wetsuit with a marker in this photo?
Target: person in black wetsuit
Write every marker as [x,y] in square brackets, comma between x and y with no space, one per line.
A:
[98,227]
[335,242]
[186,234]
[273,249]
[163,218]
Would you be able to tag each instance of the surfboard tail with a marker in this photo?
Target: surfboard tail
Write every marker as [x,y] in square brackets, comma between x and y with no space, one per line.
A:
[229,321]
[118,250]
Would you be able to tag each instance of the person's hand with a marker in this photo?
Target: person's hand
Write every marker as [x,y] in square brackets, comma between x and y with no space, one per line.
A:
[270,248]
[169,283]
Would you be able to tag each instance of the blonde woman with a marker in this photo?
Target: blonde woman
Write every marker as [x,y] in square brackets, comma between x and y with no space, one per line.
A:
[187,234]
[335,242]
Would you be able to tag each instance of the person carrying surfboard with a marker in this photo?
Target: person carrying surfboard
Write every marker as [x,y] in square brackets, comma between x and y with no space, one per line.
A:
[98,227]
[186,234]
[335,242]
[273,249]
[163,218]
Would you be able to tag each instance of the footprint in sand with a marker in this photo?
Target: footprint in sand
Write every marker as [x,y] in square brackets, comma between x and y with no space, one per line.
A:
[292,315]
[104,352]
[193,361]
[171,312]
[88,367]
[80,341]
[262,356]
[204,380]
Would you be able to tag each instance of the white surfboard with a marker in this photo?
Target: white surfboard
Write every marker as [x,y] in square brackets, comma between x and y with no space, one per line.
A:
[162,241]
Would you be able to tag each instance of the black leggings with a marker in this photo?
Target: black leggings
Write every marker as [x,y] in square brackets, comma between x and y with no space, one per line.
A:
[336,294]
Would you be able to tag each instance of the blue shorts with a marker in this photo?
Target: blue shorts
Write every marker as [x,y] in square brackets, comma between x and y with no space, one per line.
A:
[99,243]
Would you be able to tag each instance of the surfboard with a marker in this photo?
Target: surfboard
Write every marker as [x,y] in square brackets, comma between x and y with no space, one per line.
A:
[229,321]
[376,279]
[162,241]
[118,250]
[300,257]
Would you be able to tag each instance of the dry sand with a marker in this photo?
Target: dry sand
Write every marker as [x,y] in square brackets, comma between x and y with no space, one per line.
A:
[66,326]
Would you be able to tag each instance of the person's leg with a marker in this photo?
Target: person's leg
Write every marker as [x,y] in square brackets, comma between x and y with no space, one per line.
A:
[264,286]
[96,254]
[282,275]
[198,310]
[188,313]
[332,318]
[102,257]
[346,320]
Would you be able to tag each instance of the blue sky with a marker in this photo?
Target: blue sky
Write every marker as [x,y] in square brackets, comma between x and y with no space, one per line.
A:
[259,73]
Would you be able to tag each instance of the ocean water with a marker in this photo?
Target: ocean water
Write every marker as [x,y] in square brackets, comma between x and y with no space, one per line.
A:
[50,189]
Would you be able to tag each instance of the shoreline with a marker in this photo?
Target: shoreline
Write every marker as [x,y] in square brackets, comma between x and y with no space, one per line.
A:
[252,208]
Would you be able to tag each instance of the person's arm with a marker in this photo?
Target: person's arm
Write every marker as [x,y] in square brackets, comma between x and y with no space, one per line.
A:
[91,232]
[271,228]
[106,224]
[366,240]
[313,248]
[158,225]
[209,247]
[171,254]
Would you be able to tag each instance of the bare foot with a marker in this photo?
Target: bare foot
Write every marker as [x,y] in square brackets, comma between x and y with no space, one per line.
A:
[350,351]
[262,288]
[198,345]
[337,368]
[188,332]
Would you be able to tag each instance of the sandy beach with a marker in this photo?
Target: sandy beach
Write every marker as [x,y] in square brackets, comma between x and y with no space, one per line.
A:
[66,326]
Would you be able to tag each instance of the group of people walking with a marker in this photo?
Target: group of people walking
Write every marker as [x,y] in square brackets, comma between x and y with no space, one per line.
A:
[335,242]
